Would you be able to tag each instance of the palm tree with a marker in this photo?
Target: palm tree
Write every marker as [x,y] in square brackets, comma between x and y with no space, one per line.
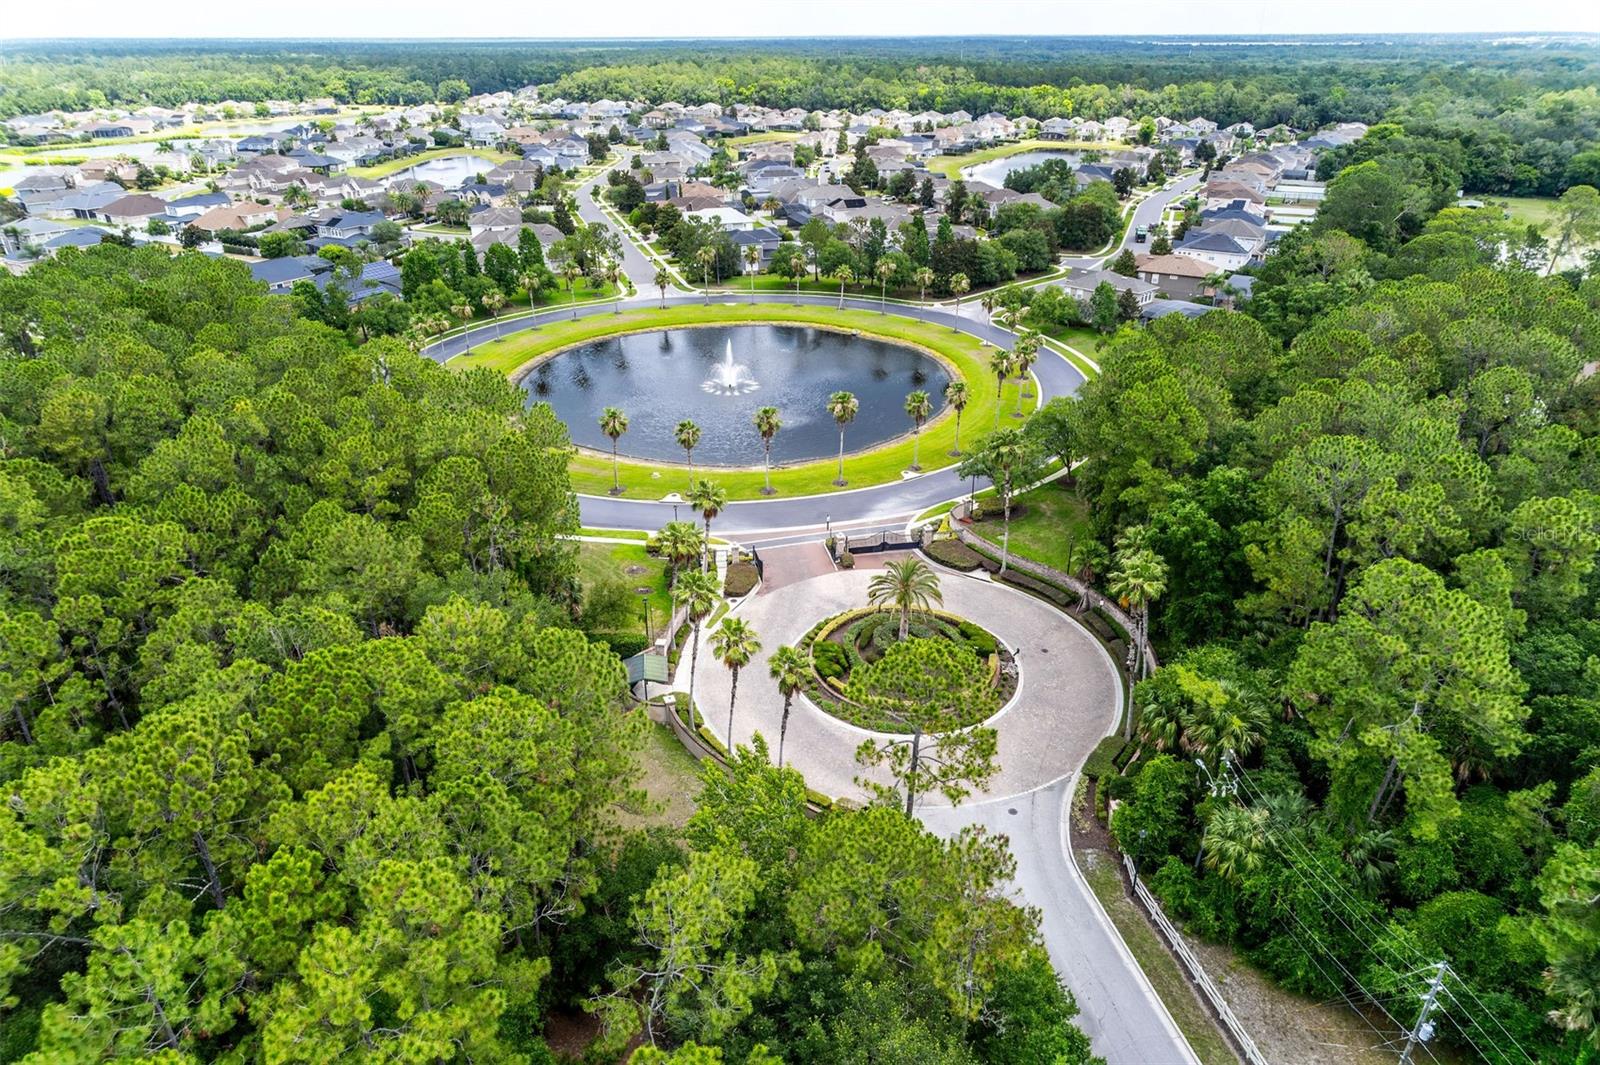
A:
[708,498]
[960,285]
[572,272]
[735,643]
[493,302]
[688,436]
[663,279]
[955,394]
[790,669]
[1139,579]
[680,543]
[767,424]
[884,270]
[988,303]
[752,256]
[1161,716]
[613,273]
[614,423]
[918,407]
[1235,841]
[533,281]
[843,407]
[707,258]
[845,276]
[1024,354]
[907,585]
[696,592]
[1003,364]
[923,277]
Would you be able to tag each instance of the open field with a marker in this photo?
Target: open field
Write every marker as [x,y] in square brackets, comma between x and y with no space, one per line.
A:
[951,165]
[591,471]
[394,166]
[1048,525]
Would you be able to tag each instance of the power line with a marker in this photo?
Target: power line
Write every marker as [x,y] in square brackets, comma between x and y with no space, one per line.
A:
[1331,892]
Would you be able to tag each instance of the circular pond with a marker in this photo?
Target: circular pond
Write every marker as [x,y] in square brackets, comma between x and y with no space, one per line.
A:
[719,376]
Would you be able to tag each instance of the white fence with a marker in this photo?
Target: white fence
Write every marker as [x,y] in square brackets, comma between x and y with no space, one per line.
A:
[1202,979]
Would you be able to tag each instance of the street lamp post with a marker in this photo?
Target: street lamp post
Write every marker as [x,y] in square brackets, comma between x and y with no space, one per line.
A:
[649,642]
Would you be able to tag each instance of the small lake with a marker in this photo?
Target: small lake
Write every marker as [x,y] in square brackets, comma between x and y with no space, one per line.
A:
[663,377]
[995,170]
[449,171]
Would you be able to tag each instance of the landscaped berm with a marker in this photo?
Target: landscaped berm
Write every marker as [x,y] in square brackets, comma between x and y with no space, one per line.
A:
[961,356]
[852,677]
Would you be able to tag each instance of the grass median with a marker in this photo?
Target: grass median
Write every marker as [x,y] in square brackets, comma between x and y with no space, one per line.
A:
[961,352]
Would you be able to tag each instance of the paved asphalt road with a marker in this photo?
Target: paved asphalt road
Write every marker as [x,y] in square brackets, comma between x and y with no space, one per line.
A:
[1069,697]
[902,499]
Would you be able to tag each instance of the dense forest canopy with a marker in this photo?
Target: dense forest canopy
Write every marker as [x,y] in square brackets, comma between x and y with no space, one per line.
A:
[307,757]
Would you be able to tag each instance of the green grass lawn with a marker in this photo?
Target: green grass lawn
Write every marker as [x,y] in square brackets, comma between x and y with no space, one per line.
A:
[670,779]
[760,138]
[394,166]
[1527,210]
[951,165]
[591,471]
[596,562]
[1078,337]
[1047,525]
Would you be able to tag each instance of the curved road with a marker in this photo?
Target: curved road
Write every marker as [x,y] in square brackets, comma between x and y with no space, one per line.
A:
[1069,696]
[885,502]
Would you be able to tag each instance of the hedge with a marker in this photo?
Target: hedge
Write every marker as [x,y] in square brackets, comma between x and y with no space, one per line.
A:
[622,644]
[1102,762]
[742,577]
[955,554]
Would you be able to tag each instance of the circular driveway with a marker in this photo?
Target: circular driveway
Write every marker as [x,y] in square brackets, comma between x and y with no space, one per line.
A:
[1068,698]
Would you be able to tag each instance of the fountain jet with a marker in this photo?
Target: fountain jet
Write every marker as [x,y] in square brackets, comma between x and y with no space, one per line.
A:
[730,378]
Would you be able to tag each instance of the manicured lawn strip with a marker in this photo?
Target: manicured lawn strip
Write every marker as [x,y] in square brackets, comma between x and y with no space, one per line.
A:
[951,165]
[599,561]
[591,471]
[1153,957]
[1048,523]
[394,166]
[617,534]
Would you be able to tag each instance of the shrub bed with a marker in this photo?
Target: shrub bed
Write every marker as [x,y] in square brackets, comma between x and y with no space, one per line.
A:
[955,554]
[1102,761]
[742,577]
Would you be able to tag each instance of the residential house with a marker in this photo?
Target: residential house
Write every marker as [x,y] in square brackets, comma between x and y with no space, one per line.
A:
[87,200]
[239,217]
[1175,275]
[1218,250]
[1160,308]
[730,218]
[30,232]
[133,209]
[1082,285]
[106,130]
[494,220]
[280,275]
[259,144]
[188,208]
[1250,234]
[766,241]
[349,225]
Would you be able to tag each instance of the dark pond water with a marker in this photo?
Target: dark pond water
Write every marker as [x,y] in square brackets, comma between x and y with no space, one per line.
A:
[663,377]
[994,172]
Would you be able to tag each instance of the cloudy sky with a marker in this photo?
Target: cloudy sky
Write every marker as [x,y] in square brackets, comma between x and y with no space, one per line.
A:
[782,18]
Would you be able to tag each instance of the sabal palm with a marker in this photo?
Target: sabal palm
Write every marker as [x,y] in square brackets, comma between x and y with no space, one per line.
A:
[792,672]
[843,407]
[845,276]
[572,272]
[768,422]
[614,275]
[960,285]
[1235,841]
[1161,716]
[923,277]
[955,395]
[1139,580]
[735,644]
[1025,354]
[1002,364]
[708,498]
[614,423]
[1237,723]
[532,281]
[752,256]
[680,543]
[663,279]
[884,270]
[706,257]
[696,593]
[918,407]
[687,434]
[907,585]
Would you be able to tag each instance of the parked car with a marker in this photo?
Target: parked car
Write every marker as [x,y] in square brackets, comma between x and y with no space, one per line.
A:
[1141,233]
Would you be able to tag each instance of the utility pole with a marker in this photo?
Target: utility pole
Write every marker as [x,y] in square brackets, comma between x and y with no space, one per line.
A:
[1422,1031]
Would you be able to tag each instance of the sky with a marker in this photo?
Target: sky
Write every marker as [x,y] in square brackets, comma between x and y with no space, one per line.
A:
[785,18]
